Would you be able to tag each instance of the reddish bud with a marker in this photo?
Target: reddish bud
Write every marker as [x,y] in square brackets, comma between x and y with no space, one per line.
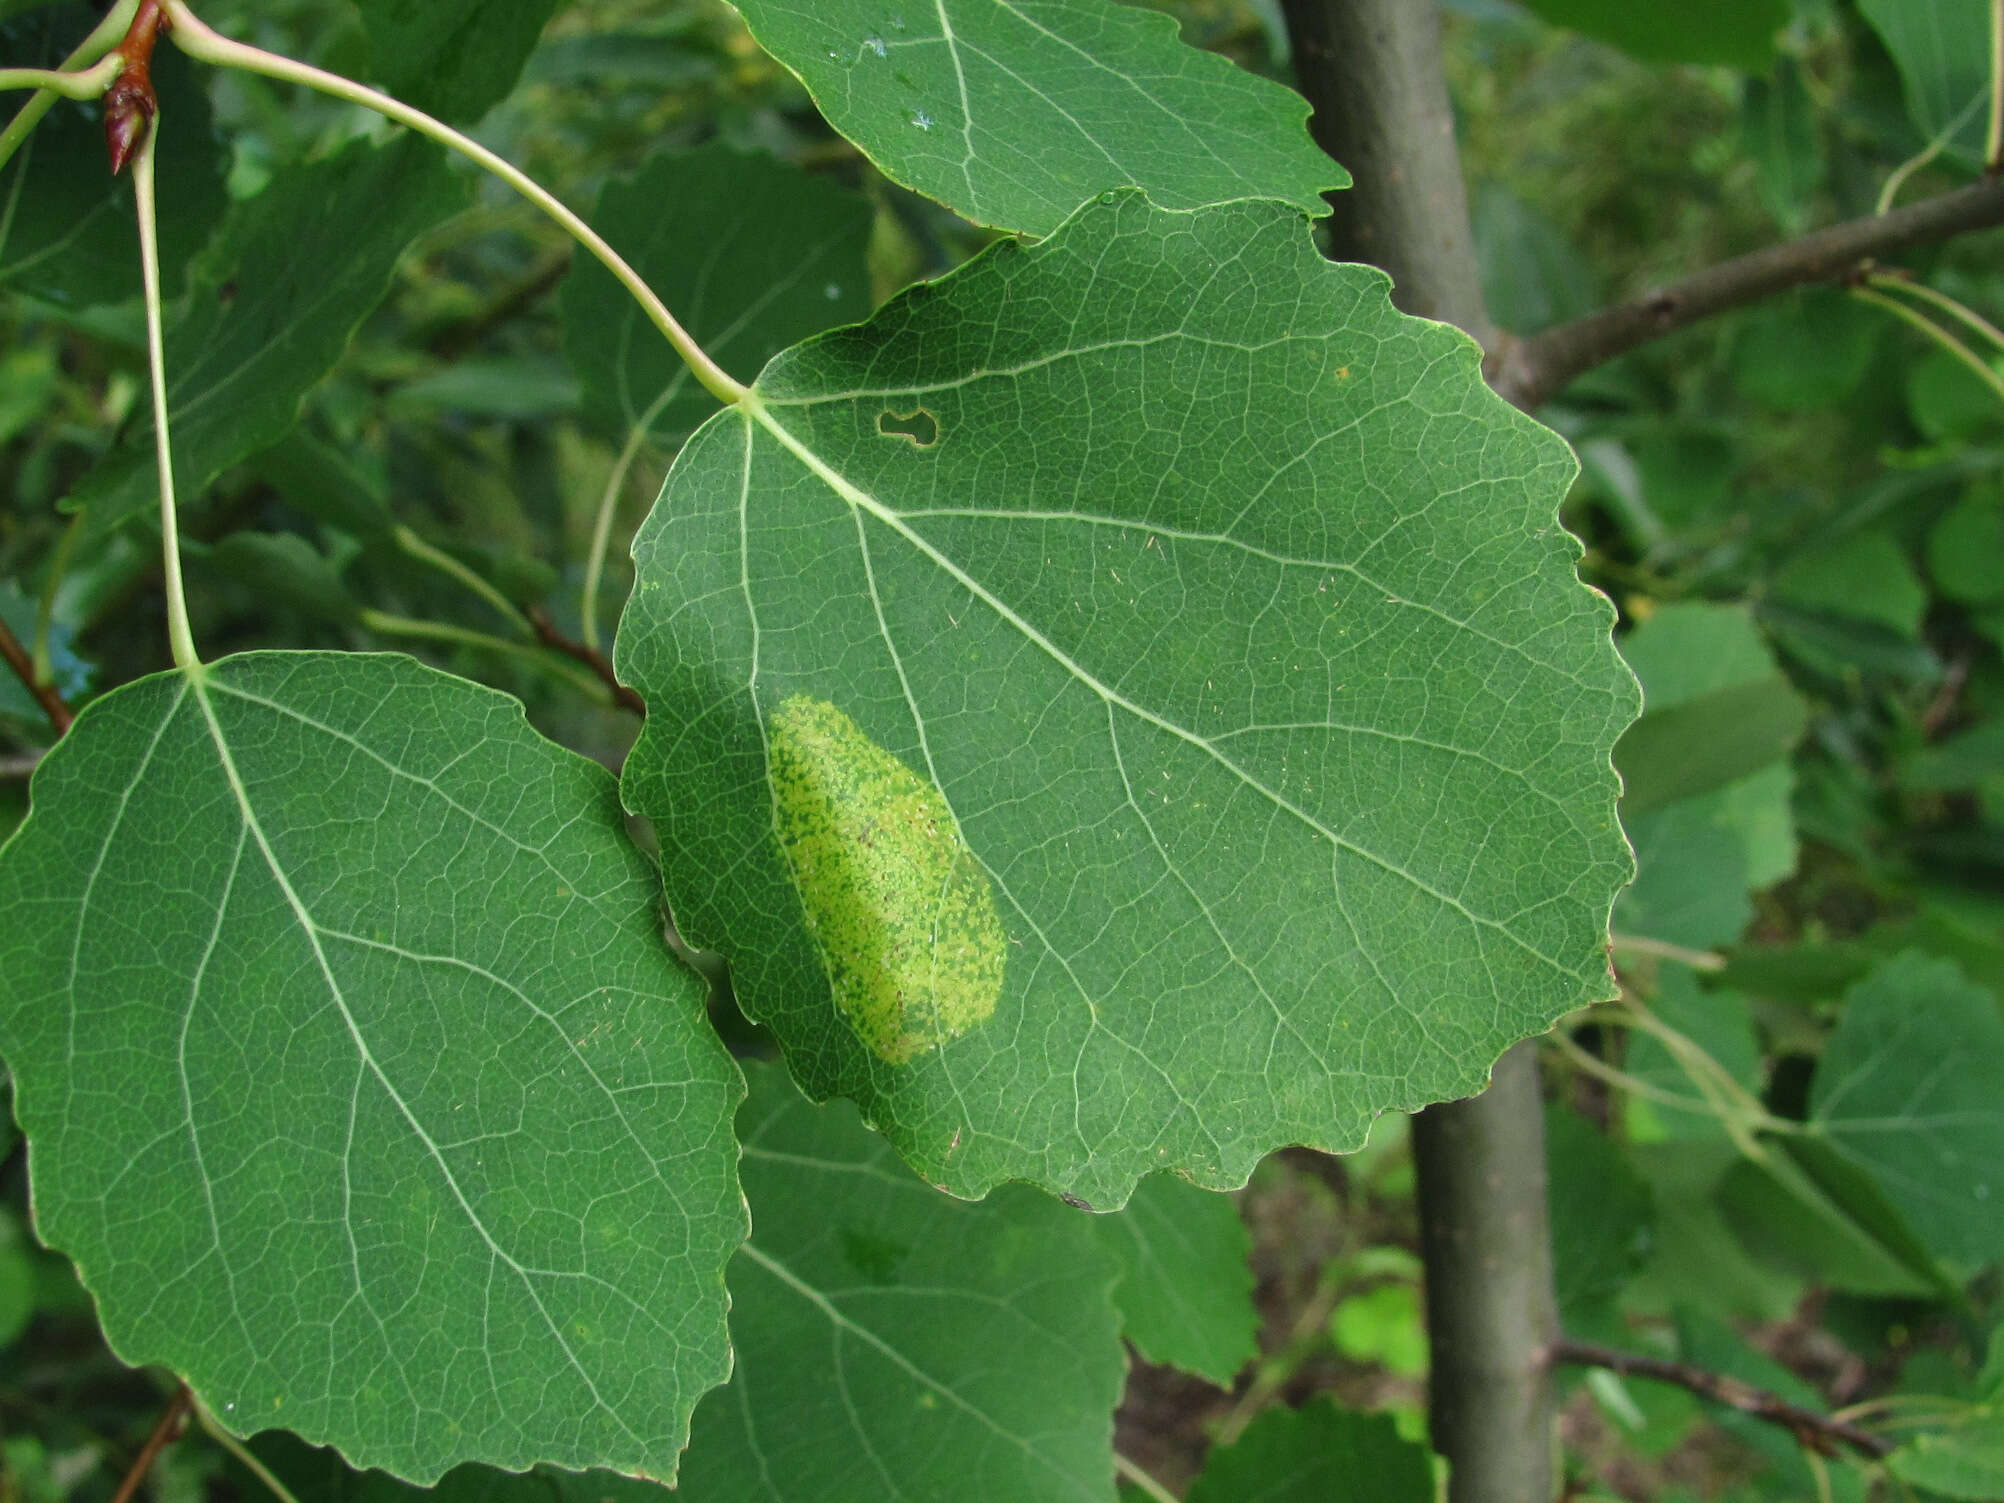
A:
[128,113]
[130,104]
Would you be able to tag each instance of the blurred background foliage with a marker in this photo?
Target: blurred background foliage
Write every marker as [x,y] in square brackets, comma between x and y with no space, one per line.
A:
[1780,1155]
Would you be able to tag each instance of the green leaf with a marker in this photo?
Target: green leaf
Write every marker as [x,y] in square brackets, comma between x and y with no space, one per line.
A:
[1863,577]
[1950,403]
[360,1083]
[1601,1215]
[1942,49]
[1532,275]
[1964,760]
[891,1342]
[70,232]
[1698,1256]
[1708,805]
[1907,1090]
[455,59]
[1186,1284]
[320,481]
[1806,350]
[750,253]
[1221,632]
[1313,1454]
[1692,886]
[894,1342]
[1384,1326]
[28,383]
[1784,139]
[515,388]
[288,570]
[1015,112]
[1963,1461]
[1811,1212]
[1738,33]
[1842,645]
[1708,742]
[273,303]
[1964,546]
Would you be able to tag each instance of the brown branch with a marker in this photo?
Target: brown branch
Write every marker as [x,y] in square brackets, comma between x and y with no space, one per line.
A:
[59,713]
[1819,1432]
[130,104]
[1529,371]
[591,657]
[164,1433]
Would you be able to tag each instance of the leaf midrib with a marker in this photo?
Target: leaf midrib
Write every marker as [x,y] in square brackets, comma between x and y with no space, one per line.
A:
[200,690]
[755,410]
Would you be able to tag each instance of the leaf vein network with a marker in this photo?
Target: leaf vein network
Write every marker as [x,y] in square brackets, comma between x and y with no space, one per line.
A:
[755,410]
[372,1067]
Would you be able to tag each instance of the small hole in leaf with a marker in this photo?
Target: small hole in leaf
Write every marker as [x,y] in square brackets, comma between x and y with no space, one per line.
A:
[921,427]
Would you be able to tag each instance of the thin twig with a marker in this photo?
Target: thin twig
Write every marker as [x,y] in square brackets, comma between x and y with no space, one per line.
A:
[172,1418]
[1819,1432]
[1530,371]
[20,765]
[46,695]
[547,633]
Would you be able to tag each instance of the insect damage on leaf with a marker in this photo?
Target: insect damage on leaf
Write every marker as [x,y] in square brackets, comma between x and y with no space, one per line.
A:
[901,912]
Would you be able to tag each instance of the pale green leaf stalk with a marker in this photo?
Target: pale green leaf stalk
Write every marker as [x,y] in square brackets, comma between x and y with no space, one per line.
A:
[179,637]
[1934,331]
[1921,292]
[1993,138]
[102,39]
[415,547]
[87,84]
[608,506]
[206,45]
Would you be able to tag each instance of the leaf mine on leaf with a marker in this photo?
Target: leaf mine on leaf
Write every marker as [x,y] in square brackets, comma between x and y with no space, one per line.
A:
[902,914]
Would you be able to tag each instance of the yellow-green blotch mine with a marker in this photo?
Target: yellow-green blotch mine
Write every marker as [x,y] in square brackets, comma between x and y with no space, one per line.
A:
[902,913]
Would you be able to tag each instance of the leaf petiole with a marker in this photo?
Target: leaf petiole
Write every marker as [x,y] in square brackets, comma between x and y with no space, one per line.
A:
[384,624]
[179,638]
[87,83]
[414,547]
[1921,292]
[208,46]
[608,505]
[1977,366]
[104,36]
[243,1453]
